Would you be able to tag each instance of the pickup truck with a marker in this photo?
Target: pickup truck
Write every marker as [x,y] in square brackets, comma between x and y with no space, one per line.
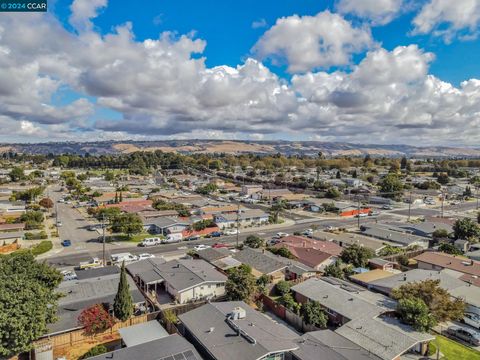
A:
[91,264]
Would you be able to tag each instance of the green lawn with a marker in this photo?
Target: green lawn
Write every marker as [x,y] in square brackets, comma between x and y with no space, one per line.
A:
[135,238]
[453,350]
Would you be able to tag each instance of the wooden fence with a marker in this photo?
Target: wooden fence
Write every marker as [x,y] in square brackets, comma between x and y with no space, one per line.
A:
[78,336]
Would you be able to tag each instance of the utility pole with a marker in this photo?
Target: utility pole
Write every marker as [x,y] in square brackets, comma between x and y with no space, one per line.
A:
[358,211]
[103,245]
[409,206]
[477,187]
[443,201]
[238,220]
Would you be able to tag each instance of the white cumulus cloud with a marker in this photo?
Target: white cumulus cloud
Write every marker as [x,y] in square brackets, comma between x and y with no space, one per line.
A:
[378,12]
[449,19]
[309,42]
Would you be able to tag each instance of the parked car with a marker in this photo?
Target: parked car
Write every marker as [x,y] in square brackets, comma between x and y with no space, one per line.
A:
[173,238]
[123,257]
[472,320]
[59,224]
[214,234]
[387,207]
[219,245]
[308,233]
[91,264]
[150,241]
[361,215]
[69,275]
[145,256]
[280,235]
[201,247]
[66,243]
[193,237]
[94,227]
[374,213]
[232,232]
[468,335]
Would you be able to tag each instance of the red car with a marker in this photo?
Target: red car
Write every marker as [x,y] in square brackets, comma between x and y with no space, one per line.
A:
[219,245]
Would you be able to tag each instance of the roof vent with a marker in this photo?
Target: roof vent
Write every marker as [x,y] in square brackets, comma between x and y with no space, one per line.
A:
[238,313]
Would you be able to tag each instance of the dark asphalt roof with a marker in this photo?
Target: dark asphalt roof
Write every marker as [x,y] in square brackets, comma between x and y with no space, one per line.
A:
[173,347]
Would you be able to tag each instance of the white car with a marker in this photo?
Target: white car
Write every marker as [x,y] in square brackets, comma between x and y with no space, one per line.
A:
[472,319]
[280,235]
[151,241]
[91,264]
[231,232]
[308,233]
[145,256]
[201,247]
[123,257]
[69,275]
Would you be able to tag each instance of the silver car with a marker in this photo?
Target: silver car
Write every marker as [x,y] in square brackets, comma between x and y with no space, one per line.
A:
[468,335]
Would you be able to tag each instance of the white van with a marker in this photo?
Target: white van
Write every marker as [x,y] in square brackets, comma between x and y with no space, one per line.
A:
[120,258]
[151,241]
[173,238]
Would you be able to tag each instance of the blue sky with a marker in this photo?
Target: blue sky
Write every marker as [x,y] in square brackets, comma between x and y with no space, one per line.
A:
[384,71]
[227,28]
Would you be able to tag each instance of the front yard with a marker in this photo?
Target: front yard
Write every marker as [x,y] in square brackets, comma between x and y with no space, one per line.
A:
[453,350]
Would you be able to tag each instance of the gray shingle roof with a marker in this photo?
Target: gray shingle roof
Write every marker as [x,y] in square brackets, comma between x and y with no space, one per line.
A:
[368,327]
[327,344]
[180,274]
[209,326]
[259,261]
[142,333]
[173,347]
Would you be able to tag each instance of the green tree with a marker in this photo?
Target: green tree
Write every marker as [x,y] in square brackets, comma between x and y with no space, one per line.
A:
[313,314]
[332,193]
[254,241]
[334,270]
[17,174]
[109,176]
[108,213]
[28,301]
[391,186]
[338,175]
[123,303]
[440,234]
[283,287]
[282,251]
[415,312]
[449,249]
[443,178]
[32,219]
[403,163]
[275,211]
[290,303]
[439,301]
[241,284]
[357,255]
[465,229]
[128,224]
[207,189]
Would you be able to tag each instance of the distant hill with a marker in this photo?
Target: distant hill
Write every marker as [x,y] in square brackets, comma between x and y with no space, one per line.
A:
[311,148]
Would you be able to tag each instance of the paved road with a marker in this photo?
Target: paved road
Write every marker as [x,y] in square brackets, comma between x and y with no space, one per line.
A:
[72,259]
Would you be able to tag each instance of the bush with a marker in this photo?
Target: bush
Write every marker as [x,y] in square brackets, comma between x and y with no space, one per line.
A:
[96,350]
[36,236]
[283,287]
[42,248]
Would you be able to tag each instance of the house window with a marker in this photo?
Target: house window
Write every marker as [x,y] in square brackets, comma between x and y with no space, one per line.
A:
[219,285]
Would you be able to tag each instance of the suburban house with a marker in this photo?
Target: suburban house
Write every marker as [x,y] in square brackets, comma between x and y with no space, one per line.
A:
[93,286]
[363,317]
[346,239]
[12,227]
[430,260]
[449,280]
[221,258]
[233,330]
[328,247]
[165,225]
[279,268]
[248,190]
[328,345]
[224,209]
[394,234]
[244,218]
[132,206]
[184,280]
[171,347]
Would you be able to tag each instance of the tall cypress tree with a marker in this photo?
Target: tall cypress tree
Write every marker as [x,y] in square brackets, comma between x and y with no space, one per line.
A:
[123,303]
